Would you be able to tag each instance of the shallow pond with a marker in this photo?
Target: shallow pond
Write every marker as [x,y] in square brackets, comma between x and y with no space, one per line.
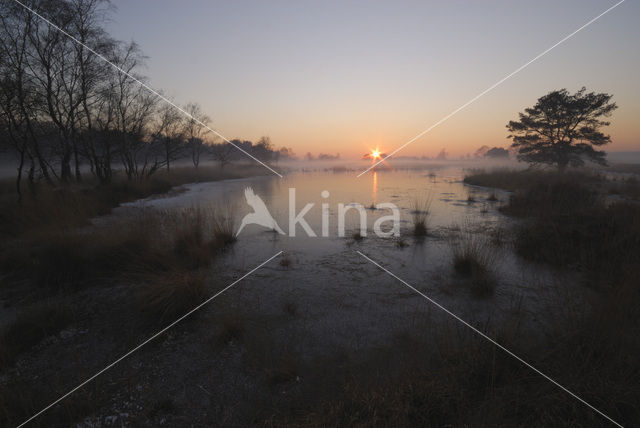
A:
[341,298]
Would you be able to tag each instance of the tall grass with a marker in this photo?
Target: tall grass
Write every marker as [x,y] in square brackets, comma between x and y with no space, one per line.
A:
[474,258]
[165,296]
[164,254]
[65,208]
[455,378]
[517,179]
[192,236]
[567,223]
[223,225]
[420,213]
[553,196]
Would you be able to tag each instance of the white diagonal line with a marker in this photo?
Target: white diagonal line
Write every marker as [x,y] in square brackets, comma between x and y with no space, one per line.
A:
[151,338]
[490,88]
[448,312]
[144,85]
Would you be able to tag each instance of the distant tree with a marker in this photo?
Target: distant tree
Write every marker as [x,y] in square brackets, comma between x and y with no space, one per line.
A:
[326,156]
[169,133]
[309,156]
[497,153]
[286,153]
[224,152]
[195,130]
[562,129]
[481,151]
[263,149]
[442,155]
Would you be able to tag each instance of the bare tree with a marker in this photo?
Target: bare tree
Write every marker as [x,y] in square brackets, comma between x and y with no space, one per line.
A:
[196,131]
[19,99]
[169,134]
[60,106]
[223,153]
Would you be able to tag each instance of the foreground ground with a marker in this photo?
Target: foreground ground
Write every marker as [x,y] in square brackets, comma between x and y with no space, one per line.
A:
[74,302]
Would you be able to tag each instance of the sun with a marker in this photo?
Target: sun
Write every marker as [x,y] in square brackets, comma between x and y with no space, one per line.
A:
[375,154]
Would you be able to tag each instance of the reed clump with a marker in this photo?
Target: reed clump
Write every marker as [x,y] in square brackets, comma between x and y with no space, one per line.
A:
[420,212]
[475,259]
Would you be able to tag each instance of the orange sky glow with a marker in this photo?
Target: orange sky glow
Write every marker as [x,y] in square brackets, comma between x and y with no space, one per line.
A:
[346,77]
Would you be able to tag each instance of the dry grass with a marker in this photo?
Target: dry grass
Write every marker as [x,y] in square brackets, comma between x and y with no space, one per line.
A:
[420,213]
[517,179]
[473,258]
[175,280]
[69,260]
[627,188]
[165,255]
[31,326]
[552,196]
[459,379]
[165,296]
[285,262]
[65,208]
[567,223]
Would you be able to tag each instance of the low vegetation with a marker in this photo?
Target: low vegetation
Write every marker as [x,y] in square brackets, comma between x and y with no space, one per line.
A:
[567,222]
[63,208]
[285,262]
[473,258]
[31,326]
[628,187]
[420,213]
[516,179]
[470,382]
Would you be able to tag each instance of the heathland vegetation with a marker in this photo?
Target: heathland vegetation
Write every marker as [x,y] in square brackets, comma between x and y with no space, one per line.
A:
[564,221]
[77,295]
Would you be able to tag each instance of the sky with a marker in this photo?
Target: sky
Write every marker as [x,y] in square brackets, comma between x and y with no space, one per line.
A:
[347,76]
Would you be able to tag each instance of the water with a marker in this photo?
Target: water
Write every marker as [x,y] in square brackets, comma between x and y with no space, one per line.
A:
[345,301]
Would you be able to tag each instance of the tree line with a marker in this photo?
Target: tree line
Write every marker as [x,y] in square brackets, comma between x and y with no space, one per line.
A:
[63,107]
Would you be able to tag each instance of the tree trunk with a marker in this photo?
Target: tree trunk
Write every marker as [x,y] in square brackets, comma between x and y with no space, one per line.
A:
[77,164]
[19,178]
[31,176]
[65,166]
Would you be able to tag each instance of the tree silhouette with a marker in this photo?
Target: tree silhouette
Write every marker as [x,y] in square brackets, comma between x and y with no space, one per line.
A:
[562,129]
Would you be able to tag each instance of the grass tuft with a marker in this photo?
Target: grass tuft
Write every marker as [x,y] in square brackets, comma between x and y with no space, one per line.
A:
[285,262]
[166,296]
[421,210]
[473,258]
